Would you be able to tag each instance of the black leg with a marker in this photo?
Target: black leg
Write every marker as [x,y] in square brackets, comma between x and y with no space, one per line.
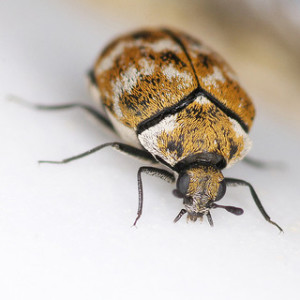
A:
[163,174]
[92,77]
[87,108]
[137,153]
[234,182]
[262,164]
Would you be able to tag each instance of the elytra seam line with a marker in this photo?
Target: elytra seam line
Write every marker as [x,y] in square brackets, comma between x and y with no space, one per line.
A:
[183,103]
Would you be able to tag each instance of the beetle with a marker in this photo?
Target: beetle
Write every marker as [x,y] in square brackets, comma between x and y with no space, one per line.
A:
[175,103]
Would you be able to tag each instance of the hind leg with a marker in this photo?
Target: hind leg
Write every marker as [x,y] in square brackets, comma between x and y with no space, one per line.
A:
[126,149]
[89,109]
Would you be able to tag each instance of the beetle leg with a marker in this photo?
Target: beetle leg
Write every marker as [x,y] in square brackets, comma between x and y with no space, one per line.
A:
[127,149]
[262,164]
[163,174]
[92,111]
[234,182]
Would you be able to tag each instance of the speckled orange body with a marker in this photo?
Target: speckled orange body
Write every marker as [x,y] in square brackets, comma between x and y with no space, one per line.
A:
[145,73]
[137,70]
[202,128]
[176,102]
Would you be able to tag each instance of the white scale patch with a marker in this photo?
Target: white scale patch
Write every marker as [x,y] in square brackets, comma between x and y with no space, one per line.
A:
[130,78]
[164,44]
[117,87]
[161,45]
[202,100]
[147,66]
[108,61]
[149,137]
[239,131]
[214,77]
[171,72]
[127,82]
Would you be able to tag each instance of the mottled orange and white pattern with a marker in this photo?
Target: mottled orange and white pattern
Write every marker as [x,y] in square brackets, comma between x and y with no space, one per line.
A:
[201,127]
[218,78]
[142,74]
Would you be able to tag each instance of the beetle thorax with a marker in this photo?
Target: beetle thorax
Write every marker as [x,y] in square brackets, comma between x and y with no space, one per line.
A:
[200,186]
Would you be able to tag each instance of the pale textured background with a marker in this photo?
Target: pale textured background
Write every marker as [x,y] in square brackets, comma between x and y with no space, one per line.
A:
[65,231]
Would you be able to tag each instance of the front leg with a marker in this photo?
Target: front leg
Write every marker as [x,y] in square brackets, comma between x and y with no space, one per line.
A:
[87,108]
[234,182]
[163,174]
[263,164]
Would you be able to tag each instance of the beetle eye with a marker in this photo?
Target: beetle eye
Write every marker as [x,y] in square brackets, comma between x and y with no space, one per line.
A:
[221,191]
[183,183]
[188,200]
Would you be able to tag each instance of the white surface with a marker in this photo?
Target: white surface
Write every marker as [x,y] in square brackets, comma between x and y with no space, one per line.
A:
[66,232]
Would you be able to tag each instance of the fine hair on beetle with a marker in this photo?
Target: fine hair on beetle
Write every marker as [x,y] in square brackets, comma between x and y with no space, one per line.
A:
[178,106]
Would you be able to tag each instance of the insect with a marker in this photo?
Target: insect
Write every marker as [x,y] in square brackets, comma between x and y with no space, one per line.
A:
[176,104]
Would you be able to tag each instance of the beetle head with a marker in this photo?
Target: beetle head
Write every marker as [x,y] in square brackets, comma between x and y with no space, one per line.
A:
[200,187]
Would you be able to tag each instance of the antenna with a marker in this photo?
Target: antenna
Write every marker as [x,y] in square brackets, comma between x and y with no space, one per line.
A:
[232,209]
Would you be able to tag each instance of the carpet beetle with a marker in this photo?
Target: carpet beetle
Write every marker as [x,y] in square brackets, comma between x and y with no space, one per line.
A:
[175,103]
